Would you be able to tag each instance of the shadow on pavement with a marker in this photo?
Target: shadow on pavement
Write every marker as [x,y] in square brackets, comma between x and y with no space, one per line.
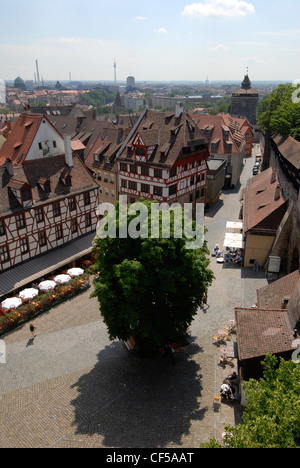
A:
[130,402]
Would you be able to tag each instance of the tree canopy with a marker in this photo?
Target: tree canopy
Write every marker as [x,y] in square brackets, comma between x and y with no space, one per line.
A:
[151,286]
[272,414]
[279,112]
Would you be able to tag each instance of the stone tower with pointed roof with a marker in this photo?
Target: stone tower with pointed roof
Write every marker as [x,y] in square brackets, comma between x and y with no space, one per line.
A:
[244,101]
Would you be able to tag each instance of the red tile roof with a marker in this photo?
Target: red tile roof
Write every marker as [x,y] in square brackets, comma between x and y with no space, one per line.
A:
[261,332]
[263,211]
[271,296]
[213,127]
[19,141]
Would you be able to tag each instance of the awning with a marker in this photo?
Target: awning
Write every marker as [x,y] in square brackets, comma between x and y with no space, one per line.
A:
[31,270]
[234,225]
[233,240]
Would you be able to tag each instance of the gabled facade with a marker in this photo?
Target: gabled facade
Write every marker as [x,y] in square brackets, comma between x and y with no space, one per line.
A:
[223,144]
[164,159]
[47,197]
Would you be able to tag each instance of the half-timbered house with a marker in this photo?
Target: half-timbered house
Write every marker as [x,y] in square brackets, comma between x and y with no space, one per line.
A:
[164,158]
[47,196]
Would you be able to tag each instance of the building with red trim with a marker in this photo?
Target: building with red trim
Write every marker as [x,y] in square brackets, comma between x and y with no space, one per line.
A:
[48,198]
[165,159]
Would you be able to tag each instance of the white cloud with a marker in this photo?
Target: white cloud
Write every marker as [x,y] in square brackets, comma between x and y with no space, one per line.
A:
[219,48]
[70,40]
[219,9]
[140,18]
[161,31]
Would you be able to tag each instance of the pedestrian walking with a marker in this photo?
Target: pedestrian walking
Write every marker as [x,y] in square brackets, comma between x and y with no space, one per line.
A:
[32,330]
[204,304]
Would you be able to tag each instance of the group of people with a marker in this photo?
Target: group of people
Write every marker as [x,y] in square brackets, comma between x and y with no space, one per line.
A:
[229,388]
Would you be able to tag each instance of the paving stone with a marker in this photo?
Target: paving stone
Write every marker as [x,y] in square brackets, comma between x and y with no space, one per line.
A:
[75,388]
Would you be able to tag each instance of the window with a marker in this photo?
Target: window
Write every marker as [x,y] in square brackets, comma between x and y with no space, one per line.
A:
[68,181]
[87,199]
[56,209]
[124,183]
[173,190]
[72,204]
[20,221]
[145,170]
[158,190]
[123,167]
[47,187]
[58,232]
[145,188]
[133,169]
[88,221]
[4,254]
[39,215]
[54,144]
[112,193]
[42,239]
[112,179]
[2,228]
[40,146]
[158,173]
[26,194]
[132,185]
[24,245]
[74,226]
[140,151]
[173,172]
[192,180]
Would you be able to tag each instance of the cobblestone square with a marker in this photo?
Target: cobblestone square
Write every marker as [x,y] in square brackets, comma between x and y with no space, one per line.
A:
[73,387]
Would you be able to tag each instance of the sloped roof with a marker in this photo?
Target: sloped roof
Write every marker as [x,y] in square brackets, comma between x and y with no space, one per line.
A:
[289,148]
[271,296]
[162,134]
[213,128]
[261,332]
[32,172]
[19,141]
[262,210]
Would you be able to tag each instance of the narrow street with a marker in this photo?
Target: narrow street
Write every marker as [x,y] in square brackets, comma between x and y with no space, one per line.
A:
[73,387]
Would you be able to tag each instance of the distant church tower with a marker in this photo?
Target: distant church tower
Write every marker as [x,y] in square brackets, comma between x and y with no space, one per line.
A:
[244,101]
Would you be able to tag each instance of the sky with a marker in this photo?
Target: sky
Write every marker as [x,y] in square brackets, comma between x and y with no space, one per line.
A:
[156,40]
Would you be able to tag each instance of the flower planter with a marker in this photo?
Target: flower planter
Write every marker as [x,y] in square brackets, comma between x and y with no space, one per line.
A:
[29,309]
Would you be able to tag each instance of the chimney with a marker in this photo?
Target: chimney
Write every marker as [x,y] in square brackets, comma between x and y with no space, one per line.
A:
[68,151]
[273,176]
[179,109]
[277,192]
[285,302]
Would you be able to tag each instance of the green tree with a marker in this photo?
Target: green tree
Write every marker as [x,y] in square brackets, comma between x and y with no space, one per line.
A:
[272,414]
[279,112]
[149,288]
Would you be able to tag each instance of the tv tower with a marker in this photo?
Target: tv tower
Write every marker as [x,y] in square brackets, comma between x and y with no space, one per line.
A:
[37,72]
[115,67]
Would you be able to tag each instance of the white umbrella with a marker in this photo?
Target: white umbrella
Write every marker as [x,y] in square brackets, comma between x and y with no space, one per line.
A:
[62,279]
[29,293]
[75,271]
[11,303]
[46,285]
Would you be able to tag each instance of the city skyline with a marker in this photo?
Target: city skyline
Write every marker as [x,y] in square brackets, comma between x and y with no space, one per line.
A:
[157,41]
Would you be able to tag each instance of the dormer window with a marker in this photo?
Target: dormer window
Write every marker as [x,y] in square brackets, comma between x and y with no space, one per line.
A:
[47,187]
[68,181]
[26,194]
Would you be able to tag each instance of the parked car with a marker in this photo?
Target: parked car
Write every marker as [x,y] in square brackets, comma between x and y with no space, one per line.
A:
[255,170]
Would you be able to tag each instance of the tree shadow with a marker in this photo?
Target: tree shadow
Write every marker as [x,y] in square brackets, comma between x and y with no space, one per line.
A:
[139,403]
